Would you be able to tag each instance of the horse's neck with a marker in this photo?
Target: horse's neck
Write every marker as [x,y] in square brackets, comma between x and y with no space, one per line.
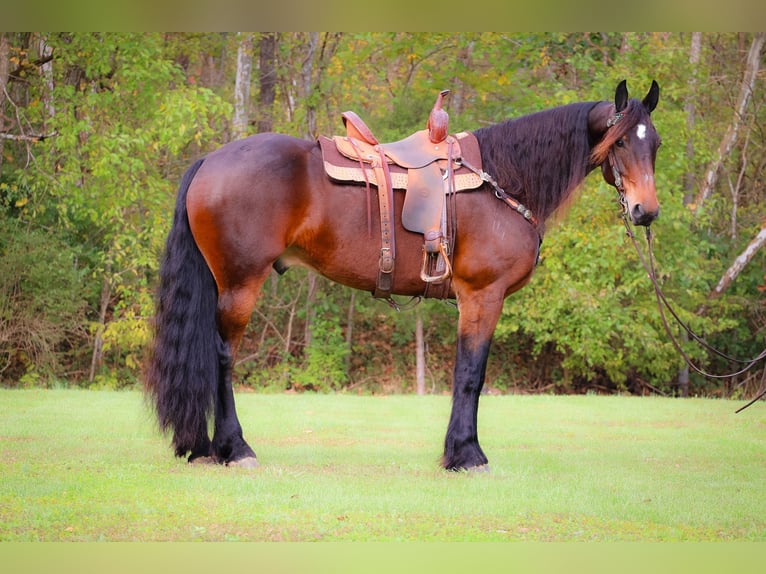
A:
[553,167]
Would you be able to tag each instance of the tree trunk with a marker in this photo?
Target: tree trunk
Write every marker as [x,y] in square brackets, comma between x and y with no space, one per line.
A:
[46,70]
[457,97]
[730,137]
[5,50]
[420,355]
[739,263]
[689,179]
[307,74]
[4,71]
[98,342]
[311,297]
[318,56]
[241,119]
[350,332]
[268,81]
[690,109]
[735,188]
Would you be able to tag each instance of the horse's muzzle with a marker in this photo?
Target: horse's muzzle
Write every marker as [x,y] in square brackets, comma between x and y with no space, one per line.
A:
[642,216]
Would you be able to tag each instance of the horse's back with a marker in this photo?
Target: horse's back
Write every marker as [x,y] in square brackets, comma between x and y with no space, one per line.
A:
[266,158]
[242,176]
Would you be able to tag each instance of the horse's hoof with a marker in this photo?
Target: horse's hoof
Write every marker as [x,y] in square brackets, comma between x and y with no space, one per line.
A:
[203,460]
[479,469]
[247,462]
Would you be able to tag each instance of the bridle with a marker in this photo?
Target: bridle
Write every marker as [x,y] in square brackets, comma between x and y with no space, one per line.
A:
[662,302]
[612,159]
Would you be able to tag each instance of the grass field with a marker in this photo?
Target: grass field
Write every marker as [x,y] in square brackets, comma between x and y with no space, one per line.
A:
[89,466]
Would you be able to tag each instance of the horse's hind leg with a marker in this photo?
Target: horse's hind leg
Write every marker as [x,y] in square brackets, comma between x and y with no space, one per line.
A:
[234,308]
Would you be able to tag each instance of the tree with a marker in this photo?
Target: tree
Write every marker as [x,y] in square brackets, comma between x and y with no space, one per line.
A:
[4,71]
[695,50]
[5,51]
[747,85]
[241,118]
[420,358]
[739,263]
[267,81]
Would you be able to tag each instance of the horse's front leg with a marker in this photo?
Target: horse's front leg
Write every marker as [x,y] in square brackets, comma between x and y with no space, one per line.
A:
[479,313]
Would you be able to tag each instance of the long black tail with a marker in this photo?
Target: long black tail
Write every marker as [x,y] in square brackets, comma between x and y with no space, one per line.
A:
[183,368]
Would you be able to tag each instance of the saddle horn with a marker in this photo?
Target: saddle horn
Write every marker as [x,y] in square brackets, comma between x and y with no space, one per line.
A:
[438,120]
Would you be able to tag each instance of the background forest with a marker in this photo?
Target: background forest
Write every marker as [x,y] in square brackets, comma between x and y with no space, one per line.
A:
[96,129]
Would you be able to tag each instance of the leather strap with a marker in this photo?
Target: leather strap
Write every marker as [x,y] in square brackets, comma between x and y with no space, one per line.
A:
[449,228]
[385,283]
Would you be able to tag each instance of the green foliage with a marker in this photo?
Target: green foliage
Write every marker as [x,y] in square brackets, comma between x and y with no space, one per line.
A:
[123,115]
[591,301]
[42,306]
[324,366]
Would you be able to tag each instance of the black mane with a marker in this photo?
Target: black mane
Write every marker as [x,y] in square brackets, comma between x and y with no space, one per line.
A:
[541,158]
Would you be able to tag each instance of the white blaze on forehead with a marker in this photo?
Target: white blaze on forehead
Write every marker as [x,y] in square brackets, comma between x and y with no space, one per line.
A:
[641,131]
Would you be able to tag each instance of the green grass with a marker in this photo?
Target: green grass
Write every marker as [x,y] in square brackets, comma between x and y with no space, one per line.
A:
[88,466]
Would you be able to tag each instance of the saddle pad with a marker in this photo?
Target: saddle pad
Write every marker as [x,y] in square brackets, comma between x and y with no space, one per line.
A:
[343,169]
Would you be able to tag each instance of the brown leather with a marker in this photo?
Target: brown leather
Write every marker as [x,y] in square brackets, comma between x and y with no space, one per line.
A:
[423,203]
[415,164]
[338,151]
[357,129]
[418,150]
[357,149]
[385,282]
[438,120]
[413,152]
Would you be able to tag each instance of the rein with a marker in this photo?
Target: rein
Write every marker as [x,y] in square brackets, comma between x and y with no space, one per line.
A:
[662,304]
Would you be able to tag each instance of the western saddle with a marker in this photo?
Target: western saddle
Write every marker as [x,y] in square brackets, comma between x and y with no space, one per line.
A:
[430,166]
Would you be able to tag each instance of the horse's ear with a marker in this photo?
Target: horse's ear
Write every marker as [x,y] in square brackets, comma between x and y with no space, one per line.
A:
[651,99]
[621,96]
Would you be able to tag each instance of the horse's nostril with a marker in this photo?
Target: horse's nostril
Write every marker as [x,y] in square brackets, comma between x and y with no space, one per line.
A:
[642,217]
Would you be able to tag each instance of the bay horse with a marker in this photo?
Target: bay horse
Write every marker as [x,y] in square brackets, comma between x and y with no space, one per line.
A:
[265,202]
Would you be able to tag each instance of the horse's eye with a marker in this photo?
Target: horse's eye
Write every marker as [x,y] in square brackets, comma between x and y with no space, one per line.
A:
[620,143]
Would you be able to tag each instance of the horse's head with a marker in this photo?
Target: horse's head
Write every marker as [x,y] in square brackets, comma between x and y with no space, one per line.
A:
[626,150]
